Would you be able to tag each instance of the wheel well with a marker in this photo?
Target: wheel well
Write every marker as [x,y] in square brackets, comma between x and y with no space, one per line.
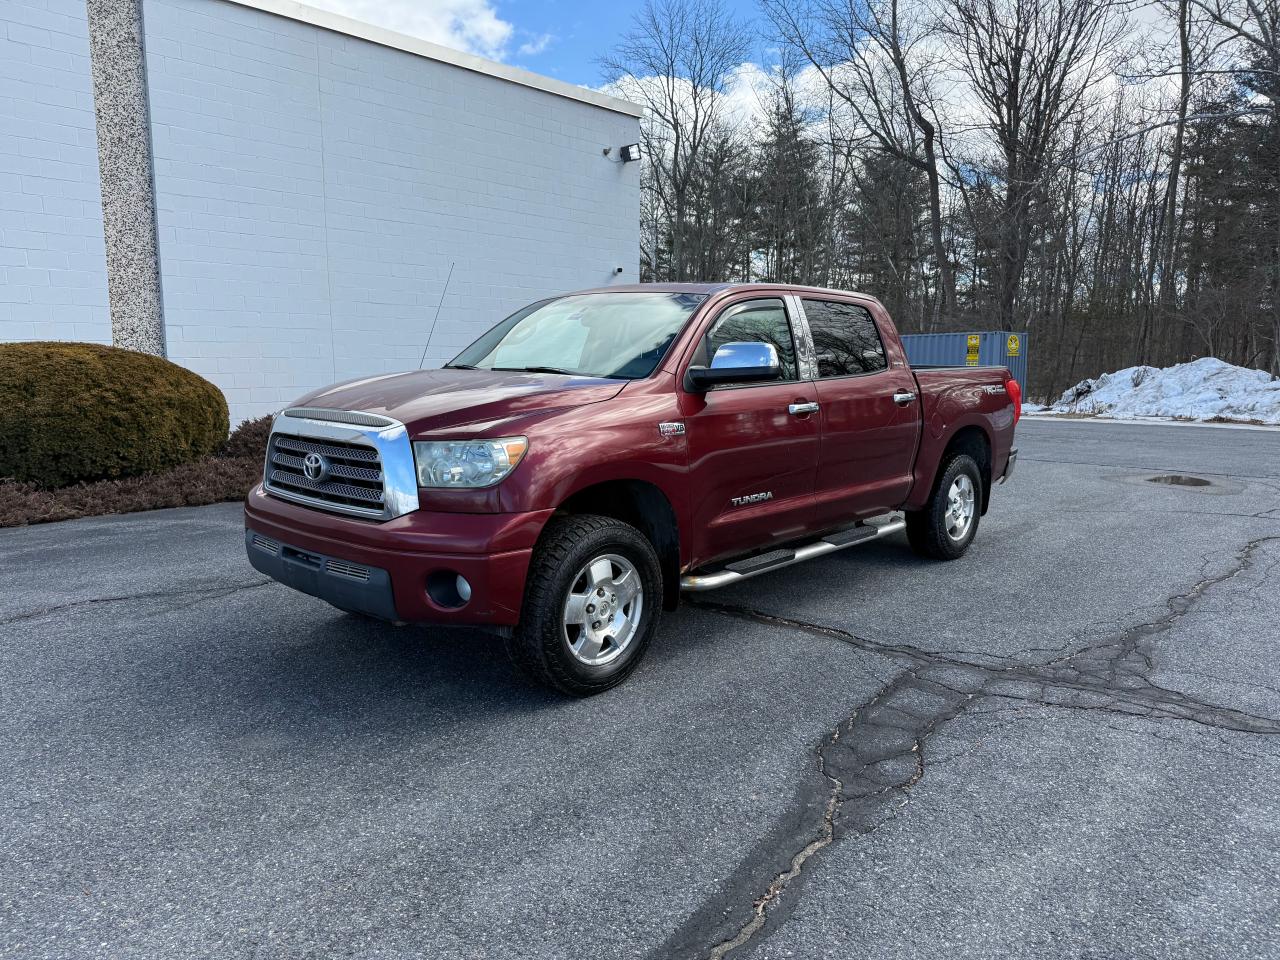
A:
[647,509]
[975,442]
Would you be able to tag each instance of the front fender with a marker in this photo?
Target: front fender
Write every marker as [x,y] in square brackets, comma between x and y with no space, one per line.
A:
[602,443]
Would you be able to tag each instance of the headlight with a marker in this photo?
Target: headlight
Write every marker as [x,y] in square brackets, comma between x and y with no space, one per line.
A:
[466,463]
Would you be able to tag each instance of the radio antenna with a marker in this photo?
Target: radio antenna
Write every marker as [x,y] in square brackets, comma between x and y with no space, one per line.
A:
[434,319]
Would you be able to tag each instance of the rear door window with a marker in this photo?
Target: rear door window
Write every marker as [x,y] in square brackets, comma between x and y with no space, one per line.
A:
[845,338]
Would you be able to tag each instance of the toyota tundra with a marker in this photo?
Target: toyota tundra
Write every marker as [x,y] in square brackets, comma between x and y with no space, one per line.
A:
[567,476]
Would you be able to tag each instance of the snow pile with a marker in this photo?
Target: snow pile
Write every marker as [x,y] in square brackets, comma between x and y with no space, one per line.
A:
[1204,389]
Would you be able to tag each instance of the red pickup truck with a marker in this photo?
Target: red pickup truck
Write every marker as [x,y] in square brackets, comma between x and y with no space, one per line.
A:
[595,454]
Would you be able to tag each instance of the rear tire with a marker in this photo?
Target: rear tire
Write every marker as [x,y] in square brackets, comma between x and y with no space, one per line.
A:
[948,523]
[592,602]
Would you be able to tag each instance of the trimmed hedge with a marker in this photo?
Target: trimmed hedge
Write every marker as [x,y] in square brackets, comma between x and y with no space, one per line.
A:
[82,411]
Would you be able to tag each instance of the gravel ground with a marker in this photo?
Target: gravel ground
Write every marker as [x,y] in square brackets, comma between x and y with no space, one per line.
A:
[1066,744]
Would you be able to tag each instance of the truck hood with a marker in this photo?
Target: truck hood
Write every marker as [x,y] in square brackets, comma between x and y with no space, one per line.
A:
[427,401]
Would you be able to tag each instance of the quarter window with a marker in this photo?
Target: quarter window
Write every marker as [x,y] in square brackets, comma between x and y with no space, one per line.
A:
[755,321]
[844,337]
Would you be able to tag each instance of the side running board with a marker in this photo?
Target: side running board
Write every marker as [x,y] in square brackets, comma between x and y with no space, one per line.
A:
[785,557]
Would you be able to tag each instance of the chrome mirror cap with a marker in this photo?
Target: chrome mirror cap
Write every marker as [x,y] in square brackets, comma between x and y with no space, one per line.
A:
[740,355]
[735,362]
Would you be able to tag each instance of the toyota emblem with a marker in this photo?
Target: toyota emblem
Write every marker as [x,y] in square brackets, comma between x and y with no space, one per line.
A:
[315,467]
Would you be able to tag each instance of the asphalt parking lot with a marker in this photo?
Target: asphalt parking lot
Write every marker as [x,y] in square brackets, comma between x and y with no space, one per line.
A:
[1067,744]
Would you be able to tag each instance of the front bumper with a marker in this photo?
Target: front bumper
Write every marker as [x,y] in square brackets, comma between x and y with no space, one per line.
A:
[393,561]
[348,585]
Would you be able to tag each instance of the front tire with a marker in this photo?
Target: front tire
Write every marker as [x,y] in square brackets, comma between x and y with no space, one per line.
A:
[948,523]
[592,602]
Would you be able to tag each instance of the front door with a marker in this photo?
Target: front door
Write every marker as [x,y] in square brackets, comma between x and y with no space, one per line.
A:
[753,448]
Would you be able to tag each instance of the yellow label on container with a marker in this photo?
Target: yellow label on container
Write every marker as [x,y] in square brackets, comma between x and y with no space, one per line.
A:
[971,359]
[1014,345]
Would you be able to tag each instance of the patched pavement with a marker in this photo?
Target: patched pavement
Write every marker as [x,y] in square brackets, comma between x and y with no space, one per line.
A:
[1066,744]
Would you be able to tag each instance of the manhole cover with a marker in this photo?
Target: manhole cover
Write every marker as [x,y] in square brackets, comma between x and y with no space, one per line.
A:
[1180,480]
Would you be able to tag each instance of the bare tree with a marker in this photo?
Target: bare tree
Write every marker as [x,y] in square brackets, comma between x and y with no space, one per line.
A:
[1032,66]
[676,61]
[879,60]
[981,163]
[1185,71]
[1254,23]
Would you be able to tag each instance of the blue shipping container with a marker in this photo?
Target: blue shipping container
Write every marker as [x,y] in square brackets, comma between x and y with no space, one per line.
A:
[996,348]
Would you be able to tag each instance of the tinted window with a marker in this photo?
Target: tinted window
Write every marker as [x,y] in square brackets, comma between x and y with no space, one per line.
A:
[844,337]
[756,321]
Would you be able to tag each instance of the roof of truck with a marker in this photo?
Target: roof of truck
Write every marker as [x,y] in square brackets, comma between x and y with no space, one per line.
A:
[710,288]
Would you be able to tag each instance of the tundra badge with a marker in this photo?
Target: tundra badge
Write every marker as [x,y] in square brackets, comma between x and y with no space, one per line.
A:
[751,498]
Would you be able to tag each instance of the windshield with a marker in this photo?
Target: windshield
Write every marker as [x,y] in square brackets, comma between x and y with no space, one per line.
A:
[617,335]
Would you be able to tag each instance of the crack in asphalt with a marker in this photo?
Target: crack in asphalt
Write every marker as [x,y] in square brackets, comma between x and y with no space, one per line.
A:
[199,594]
[868,765]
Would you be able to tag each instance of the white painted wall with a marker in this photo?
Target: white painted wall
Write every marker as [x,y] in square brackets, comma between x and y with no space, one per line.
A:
[312,190]
[53,274]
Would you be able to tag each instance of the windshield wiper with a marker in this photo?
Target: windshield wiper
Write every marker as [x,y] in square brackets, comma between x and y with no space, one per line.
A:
[459,366]
[567,373]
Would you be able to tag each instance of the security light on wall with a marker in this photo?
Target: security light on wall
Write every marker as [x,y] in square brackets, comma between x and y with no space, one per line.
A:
[630,152]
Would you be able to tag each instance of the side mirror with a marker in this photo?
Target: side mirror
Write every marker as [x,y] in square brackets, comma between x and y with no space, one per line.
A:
[738,362]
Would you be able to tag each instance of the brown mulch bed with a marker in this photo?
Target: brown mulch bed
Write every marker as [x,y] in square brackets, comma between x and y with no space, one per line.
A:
[211,480]
[217,479]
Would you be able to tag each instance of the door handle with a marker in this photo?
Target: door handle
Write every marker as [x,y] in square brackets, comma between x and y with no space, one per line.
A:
[800,409]
[903,397]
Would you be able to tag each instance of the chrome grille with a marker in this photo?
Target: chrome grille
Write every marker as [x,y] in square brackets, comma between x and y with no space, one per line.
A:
[335,469]
[266,543]
[354,483]
[349,451]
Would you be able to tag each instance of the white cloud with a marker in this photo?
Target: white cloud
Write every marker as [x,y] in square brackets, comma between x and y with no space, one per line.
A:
[744,103]
[746,94]
[536,45]
[469,25]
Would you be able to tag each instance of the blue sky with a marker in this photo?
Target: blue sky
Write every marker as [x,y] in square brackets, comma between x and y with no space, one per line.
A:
[560,38]
[579,31]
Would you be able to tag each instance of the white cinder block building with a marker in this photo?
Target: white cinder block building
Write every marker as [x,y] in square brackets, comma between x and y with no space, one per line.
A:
[276,197]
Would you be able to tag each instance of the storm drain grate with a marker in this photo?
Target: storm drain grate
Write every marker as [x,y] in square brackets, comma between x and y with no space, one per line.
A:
[1180,480]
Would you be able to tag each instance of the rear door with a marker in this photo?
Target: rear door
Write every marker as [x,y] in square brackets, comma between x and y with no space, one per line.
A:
[753,448]
[870,413]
